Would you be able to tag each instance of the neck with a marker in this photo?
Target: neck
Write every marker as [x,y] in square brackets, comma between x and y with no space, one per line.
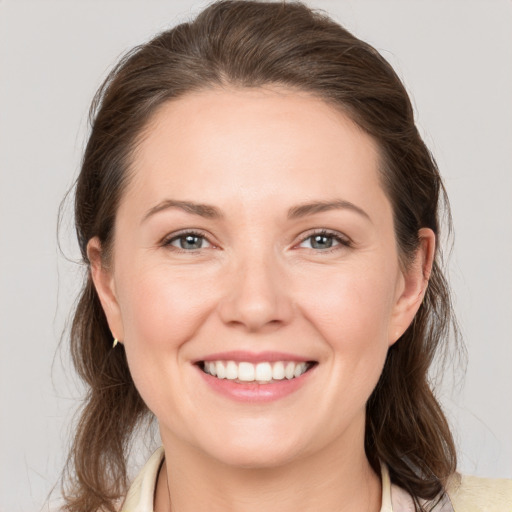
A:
[326,481]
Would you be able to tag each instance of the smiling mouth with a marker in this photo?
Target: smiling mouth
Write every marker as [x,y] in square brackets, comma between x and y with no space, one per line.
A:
[261,373]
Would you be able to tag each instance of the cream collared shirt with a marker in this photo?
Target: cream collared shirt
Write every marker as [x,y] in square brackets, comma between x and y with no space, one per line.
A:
[464,494]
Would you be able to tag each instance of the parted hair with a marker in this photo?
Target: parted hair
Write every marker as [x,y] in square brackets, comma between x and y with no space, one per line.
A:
[239,43]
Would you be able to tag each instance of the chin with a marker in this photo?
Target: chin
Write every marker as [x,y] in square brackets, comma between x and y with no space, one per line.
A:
[266,458]
[258,451]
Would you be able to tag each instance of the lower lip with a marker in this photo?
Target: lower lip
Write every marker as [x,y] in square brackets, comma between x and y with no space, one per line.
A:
[253,391]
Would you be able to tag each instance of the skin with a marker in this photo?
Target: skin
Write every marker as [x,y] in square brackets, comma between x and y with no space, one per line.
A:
[258,283]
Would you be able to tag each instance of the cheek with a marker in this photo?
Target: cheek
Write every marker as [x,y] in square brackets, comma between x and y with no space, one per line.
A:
[161,307]
[352,314]
[348,305]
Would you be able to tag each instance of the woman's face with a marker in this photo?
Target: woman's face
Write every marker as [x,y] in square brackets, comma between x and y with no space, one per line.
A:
[254,240]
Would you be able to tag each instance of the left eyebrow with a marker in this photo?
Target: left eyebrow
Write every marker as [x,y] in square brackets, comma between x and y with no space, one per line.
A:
[321,206]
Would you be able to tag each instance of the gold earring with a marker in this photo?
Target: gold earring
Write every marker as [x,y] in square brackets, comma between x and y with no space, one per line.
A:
[116,341]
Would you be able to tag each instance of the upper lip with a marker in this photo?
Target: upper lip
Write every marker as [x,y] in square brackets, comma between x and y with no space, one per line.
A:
[253,357]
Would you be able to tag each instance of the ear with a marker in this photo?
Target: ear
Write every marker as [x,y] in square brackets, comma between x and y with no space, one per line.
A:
[413,285]
[103,280]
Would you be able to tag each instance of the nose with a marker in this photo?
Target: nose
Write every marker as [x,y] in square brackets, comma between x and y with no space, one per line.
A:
[256,296]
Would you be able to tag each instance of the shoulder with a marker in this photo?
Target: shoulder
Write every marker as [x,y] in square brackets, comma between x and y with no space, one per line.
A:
[475,494]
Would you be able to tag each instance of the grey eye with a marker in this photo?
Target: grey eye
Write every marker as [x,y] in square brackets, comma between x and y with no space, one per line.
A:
[187,241]
[190,242]
[321,241]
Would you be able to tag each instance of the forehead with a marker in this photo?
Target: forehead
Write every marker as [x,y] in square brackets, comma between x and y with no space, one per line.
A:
[238,146]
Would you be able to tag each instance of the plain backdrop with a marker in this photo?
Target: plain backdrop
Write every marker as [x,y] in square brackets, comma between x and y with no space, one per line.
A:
[455,58]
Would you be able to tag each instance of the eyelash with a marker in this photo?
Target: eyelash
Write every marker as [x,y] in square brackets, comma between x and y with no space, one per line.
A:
[343,241]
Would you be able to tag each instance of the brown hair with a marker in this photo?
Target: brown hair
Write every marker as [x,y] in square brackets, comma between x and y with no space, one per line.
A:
[252,44]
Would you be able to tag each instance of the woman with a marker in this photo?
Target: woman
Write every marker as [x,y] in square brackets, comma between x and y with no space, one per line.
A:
[259,216]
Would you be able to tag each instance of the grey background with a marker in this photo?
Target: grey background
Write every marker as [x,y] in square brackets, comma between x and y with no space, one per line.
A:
[456,60]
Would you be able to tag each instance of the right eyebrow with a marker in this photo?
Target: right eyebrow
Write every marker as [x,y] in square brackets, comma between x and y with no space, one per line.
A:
[204,210]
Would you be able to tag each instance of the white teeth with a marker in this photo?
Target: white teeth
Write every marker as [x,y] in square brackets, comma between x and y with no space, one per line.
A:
[278,371]
[299,370]
[220,370]
[263,373]
[246,372]
[289,371]
[231,370]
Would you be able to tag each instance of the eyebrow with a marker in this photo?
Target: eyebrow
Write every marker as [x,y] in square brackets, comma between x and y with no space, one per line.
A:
[302,210]
[295,212]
